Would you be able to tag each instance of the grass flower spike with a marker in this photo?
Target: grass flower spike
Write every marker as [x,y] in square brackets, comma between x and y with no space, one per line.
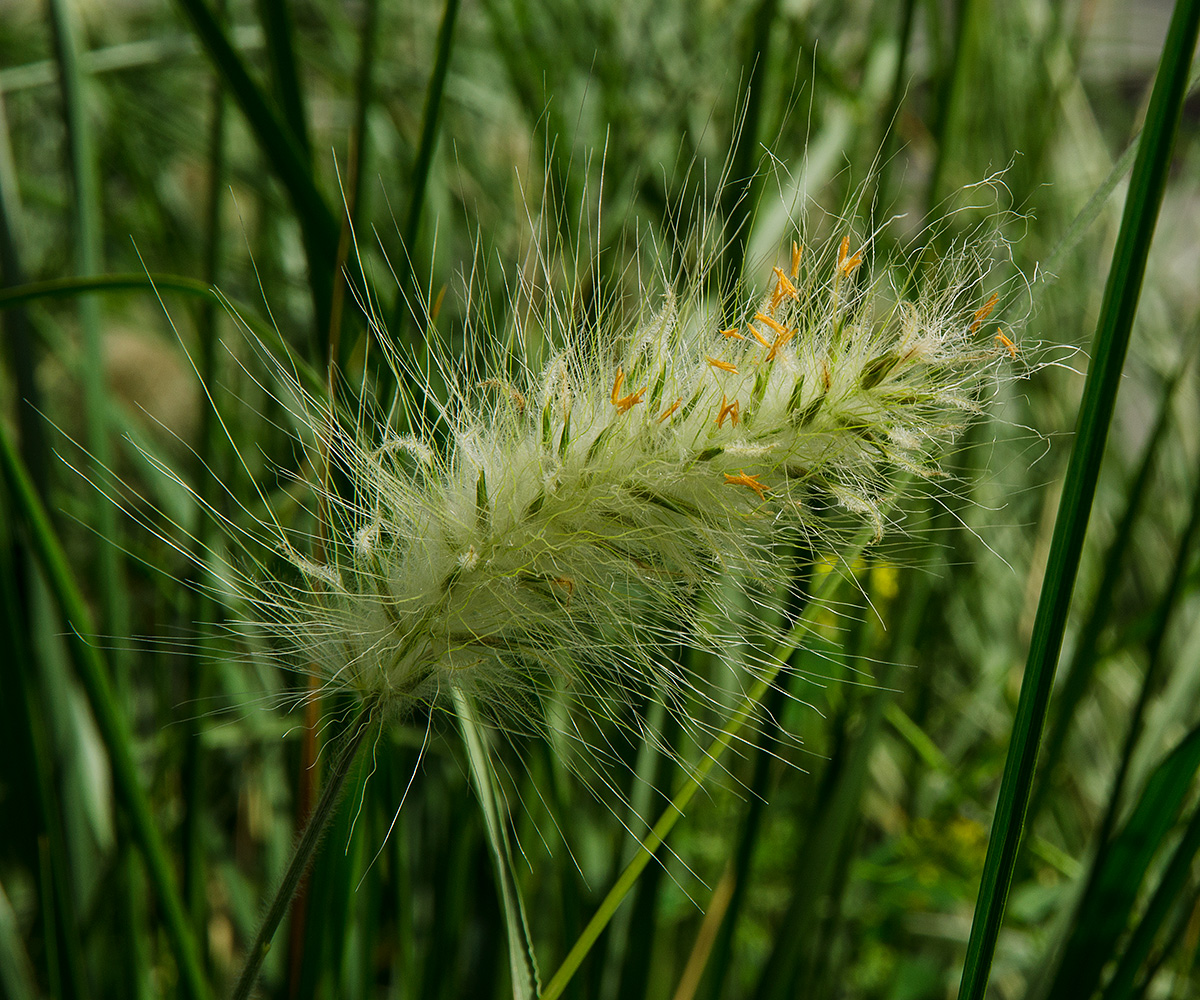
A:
[557,530]
[627,463]
[533,550]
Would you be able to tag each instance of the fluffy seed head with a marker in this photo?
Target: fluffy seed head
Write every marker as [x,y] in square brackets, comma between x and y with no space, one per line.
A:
[558,529]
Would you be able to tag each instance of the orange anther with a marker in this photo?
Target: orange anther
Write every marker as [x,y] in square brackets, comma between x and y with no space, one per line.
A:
[750,482]
[754,330]
[784,289]
[732,334]
[797,249]
[1011,347]
[782,335]
[983,312]
[625,403]
[670,409]
[775,325]
[731,410]
[782,339]
[725,366]
[847,264]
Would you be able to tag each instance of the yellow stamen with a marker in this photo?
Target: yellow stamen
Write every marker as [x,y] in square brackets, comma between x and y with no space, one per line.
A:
[775,325]
[616,390]
[1012,348]
[732,334]
[782,335]
[627,403]
[670,409]
[782,339]
[797,249]
[983,312]
[784,289]
[750,482]
[725,366]
[731,410]
[847,265]
[754,330]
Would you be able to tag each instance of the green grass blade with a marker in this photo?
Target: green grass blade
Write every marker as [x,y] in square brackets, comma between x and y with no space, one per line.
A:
[751,826]
[738,198]
[110,587]
[950,85]
[206,472]
[49,932]
[659,775]
[430,119]
[87,233]
[1154,666]
[1082,664]
[278,30]
[1095,205]
[1111,343]
[531,67]
[364,93]
[795,950]
[1107,905]
[17,331]
[1091,211]
[1171,885]
[31,758]
[65,288]
[521,957]
[287,159]
[881,176]
[16,970]
[93,672]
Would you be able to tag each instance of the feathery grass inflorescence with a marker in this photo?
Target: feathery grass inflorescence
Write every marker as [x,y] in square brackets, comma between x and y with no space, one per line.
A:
[558,530]
[514,541]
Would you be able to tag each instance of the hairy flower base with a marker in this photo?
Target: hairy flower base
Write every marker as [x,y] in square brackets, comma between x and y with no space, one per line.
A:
[560,532]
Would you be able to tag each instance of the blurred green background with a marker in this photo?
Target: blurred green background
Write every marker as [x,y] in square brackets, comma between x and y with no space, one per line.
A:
[236,144]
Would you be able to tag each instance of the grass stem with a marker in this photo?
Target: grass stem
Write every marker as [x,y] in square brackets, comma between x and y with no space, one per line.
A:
[309,840]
